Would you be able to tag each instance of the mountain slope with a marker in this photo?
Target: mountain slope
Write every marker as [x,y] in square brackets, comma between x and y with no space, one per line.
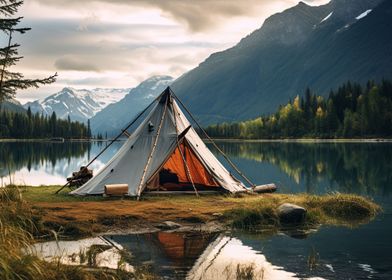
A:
[80,105]
[115,116]
[12,105]
[320,47]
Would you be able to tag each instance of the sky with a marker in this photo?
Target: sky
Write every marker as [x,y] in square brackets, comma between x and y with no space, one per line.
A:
[120,43]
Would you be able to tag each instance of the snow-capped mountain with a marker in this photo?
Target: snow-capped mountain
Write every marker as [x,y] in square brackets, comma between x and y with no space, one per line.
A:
[79,104]
[115,116]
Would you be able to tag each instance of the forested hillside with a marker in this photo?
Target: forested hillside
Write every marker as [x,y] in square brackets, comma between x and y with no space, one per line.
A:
[350,111]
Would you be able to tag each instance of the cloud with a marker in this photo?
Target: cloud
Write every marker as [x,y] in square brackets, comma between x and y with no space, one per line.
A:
[71,63]
[119,43]
[197,15]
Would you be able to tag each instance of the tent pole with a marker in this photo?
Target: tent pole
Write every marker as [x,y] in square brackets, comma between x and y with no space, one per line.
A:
[213,142]
[187,170]
[115,139]
[182,155]
[152,151]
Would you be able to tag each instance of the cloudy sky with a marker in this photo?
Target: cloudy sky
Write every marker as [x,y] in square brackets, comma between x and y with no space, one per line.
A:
[119,43]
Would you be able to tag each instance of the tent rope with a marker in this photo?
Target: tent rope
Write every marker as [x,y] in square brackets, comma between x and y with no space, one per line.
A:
[182,155]
[213,142]
[113,140]
[139,189]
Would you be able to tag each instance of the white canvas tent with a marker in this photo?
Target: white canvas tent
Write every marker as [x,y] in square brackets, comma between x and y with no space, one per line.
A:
[163,142]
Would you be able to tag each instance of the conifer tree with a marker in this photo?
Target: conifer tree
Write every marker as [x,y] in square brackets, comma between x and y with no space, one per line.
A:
[11,81]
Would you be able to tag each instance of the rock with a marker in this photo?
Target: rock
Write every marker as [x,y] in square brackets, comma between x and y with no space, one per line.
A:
[291,214]
[168,225]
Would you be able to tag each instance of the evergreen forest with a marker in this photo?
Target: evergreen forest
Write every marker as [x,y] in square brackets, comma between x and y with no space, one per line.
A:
[27,125]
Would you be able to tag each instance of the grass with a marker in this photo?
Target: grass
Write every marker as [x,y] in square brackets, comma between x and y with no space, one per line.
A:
[84,216]
[28,213]
[18,227]
[332,209]
[46,194]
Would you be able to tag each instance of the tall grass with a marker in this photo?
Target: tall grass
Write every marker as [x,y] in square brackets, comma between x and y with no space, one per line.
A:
[18,261]
[254,213]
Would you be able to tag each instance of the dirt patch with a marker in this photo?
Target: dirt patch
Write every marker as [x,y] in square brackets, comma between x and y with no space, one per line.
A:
[78,219]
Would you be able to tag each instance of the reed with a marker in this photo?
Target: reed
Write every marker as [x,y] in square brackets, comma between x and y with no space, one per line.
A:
[18,226]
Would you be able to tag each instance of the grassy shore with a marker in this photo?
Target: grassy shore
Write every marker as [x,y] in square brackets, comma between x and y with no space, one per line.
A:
[20,226]
[28,214]
[84,216]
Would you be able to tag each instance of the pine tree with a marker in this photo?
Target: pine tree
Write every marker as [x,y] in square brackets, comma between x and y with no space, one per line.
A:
[88,129]
[10,81]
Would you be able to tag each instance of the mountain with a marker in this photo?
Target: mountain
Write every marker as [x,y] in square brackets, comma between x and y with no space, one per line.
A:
[12,105]
[319,47]
[115,116]
[79,104]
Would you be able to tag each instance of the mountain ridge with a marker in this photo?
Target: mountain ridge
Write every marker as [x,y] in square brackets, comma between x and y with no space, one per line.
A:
[115,116]
[292,50]
[78,104]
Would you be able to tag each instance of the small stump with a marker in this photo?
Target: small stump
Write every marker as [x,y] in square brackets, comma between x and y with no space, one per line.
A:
[291,214]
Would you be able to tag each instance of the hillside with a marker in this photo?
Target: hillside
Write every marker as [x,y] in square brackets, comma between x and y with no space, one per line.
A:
[304,46]
[12,105]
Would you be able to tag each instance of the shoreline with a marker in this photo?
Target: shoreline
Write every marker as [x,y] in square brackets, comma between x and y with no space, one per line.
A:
[305,140]
[232,140]
[76,217]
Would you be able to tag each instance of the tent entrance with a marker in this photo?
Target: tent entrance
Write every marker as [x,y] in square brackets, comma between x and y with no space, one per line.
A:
[178,175]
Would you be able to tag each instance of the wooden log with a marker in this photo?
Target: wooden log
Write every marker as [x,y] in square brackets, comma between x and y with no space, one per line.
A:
[268,188]
[116,189]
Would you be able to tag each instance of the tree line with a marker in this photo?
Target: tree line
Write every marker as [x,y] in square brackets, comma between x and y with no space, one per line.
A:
[350,111]
[28,125]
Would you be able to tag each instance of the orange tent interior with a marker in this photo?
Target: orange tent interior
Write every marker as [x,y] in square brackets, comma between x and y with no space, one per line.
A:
[176,174]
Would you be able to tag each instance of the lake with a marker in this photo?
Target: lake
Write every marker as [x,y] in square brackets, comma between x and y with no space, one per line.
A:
[363,252]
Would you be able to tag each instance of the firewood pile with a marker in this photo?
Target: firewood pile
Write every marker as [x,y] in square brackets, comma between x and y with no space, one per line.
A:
[80,177]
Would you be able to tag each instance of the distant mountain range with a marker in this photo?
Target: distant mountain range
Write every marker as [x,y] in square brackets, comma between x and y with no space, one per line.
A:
[116,116]
[305,46]
[79,104]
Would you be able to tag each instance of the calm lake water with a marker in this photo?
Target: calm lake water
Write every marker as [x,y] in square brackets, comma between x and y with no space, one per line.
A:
[342,253]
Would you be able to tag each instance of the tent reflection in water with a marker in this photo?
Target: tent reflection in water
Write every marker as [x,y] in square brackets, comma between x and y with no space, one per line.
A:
[196,256]
[163,153]
[171,254]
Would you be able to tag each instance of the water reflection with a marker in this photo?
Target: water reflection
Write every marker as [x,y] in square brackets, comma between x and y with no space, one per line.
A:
[37,163]
[317,167]
[238,255]
[170,255]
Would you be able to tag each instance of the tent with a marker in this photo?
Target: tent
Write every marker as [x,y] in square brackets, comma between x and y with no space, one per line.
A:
[163,153]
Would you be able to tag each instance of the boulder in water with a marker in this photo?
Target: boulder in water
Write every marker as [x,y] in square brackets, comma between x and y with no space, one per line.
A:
[291,214]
